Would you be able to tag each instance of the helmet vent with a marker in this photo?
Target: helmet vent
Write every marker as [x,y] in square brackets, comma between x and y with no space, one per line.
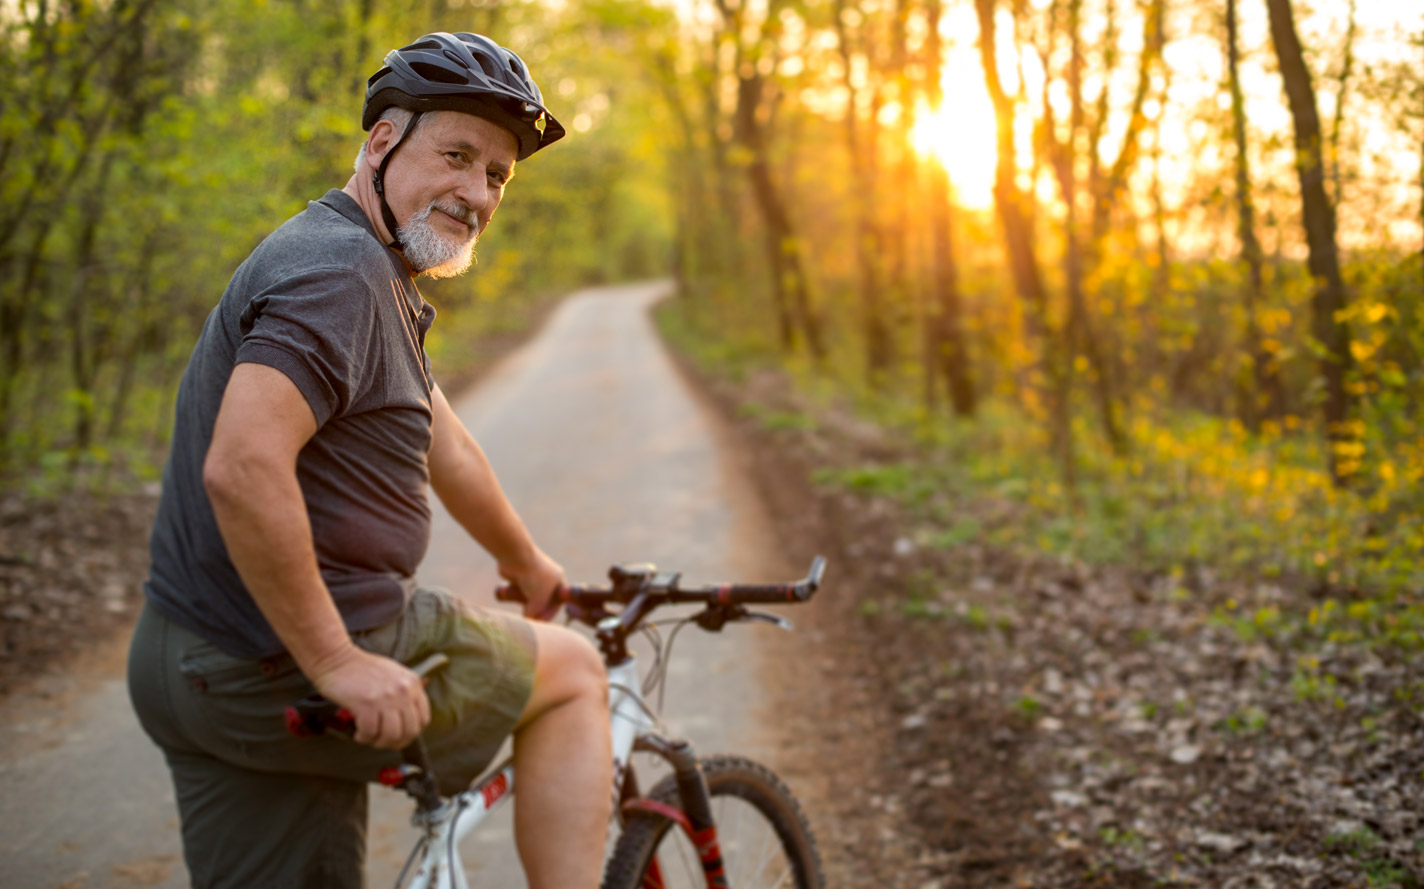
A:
[424,44]
[436,73]
[456,59]
[488,65]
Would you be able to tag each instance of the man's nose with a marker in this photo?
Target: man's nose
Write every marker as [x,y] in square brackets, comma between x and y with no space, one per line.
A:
[474,192]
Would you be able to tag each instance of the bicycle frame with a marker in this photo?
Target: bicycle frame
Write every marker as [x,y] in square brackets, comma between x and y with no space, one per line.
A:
[442,830]
[641,588]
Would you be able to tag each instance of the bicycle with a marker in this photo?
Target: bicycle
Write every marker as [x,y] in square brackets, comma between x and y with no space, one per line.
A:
[719,822]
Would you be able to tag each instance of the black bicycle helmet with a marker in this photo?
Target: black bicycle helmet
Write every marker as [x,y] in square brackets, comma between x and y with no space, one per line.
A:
[457,72]
[463,72]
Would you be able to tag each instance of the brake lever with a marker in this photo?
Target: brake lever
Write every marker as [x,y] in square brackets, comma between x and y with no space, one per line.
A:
[717,616]
[768,618]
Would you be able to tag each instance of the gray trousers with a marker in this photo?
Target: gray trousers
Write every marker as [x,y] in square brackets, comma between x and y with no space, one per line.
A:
[261,808]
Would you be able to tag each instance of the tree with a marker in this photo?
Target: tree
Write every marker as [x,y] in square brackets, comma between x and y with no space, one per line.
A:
[754,55]
[1265,397]
[1013,208]
[1328,327]
[948,352]
[863,148]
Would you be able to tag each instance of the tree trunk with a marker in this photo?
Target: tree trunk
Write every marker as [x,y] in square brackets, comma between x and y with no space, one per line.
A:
[1012,205]
[789,282]
[870,237]
[14,321]
[1347,65]
[950,354]
[1265,398]
[83,345]
[1331,334]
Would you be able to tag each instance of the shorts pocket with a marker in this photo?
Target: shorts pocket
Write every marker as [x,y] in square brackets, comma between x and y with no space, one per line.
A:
[209,669]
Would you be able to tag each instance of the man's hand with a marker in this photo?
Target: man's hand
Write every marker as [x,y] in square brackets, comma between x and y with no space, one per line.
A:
[538,579]
[386,698]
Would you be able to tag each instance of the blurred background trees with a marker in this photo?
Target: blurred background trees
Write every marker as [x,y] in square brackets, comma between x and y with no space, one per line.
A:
[1172,249]
[146,146]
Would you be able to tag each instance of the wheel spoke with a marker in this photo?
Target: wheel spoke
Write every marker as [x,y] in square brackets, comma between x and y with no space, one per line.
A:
[689,859]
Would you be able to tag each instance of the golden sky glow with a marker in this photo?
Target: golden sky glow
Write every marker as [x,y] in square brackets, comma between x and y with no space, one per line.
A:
[961,133]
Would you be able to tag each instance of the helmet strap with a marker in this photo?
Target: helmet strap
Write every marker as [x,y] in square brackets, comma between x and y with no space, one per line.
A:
[378,180]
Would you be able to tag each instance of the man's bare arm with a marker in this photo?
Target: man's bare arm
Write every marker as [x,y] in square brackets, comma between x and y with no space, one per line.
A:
[250,476]
[465,482]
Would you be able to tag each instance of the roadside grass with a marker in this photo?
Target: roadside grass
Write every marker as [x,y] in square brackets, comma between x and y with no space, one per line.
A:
[1193,497]
[1364,845]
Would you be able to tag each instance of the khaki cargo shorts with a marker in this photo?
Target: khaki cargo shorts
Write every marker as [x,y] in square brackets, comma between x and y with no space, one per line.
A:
[260,807]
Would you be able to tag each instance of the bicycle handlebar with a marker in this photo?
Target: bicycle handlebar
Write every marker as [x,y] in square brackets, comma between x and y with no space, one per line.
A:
[630,581]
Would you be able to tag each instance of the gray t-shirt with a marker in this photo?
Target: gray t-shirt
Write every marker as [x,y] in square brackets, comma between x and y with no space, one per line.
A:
[324,302]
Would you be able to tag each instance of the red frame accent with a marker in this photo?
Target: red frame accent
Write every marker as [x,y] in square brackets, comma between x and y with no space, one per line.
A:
[709,851]
[497,787]
[671,813]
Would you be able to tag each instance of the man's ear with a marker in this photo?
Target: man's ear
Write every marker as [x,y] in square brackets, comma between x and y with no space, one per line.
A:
[383,135]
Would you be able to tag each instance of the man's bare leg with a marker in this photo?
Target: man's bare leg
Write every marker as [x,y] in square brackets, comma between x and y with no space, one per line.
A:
[565,761]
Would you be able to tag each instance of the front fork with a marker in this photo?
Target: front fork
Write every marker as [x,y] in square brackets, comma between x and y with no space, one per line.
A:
[695,816]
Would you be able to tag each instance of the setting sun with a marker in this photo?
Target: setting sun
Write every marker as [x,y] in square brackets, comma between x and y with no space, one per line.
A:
[960,134]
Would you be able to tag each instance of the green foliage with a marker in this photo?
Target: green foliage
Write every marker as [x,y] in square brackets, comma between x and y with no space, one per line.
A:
[775,419]
[145,149]
[1125,838]
[1192,491]
[891,481]
[920,608]
[1249,721]
[961,531]
[1362,844]
[1028,707]
[1311,683]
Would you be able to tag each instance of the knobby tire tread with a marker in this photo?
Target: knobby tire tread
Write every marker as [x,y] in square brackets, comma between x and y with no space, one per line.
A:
[725,776]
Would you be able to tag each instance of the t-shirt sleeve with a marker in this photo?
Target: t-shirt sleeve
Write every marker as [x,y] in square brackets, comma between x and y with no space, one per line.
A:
[318,328]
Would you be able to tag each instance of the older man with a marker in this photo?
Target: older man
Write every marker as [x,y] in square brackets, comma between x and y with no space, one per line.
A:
[295,510]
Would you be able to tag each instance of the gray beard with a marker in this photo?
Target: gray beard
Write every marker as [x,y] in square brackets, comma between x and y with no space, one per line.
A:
[430,253]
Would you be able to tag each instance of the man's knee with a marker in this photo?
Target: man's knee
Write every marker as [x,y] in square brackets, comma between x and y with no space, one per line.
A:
[568,669]
[572,661]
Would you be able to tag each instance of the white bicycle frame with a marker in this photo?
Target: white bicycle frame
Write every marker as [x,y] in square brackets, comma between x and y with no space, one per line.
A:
[443,829]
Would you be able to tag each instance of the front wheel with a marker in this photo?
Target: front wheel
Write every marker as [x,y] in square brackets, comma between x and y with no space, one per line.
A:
[765,839]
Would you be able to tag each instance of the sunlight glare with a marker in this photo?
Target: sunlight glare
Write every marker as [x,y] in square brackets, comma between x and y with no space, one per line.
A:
[961,133]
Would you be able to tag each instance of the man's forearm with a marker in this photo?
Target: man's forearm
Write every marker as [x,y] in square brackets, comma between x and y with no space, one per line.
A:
[462,477]
[470,491]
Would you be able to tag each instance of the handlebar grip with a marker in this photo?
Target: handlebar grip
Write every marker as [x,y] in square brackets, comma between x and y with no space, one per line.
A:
[508,592]
[314,715]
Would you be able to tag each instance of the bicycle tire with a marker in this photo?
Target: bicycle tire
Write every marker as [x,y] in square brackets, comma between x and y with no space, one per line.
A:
[764,836]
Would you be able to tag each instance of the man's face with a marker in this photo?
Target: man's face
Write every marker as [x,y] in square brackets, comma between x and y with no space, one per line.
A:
[444,185]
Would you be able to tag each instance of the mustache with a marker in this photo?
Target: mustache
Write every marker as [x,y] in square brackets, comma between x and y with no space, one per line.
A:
[459,211]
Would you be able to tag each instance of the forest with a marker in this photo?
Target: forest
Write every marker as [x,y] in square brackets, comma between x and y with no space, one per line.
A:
[1092,331]
[1150,269]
